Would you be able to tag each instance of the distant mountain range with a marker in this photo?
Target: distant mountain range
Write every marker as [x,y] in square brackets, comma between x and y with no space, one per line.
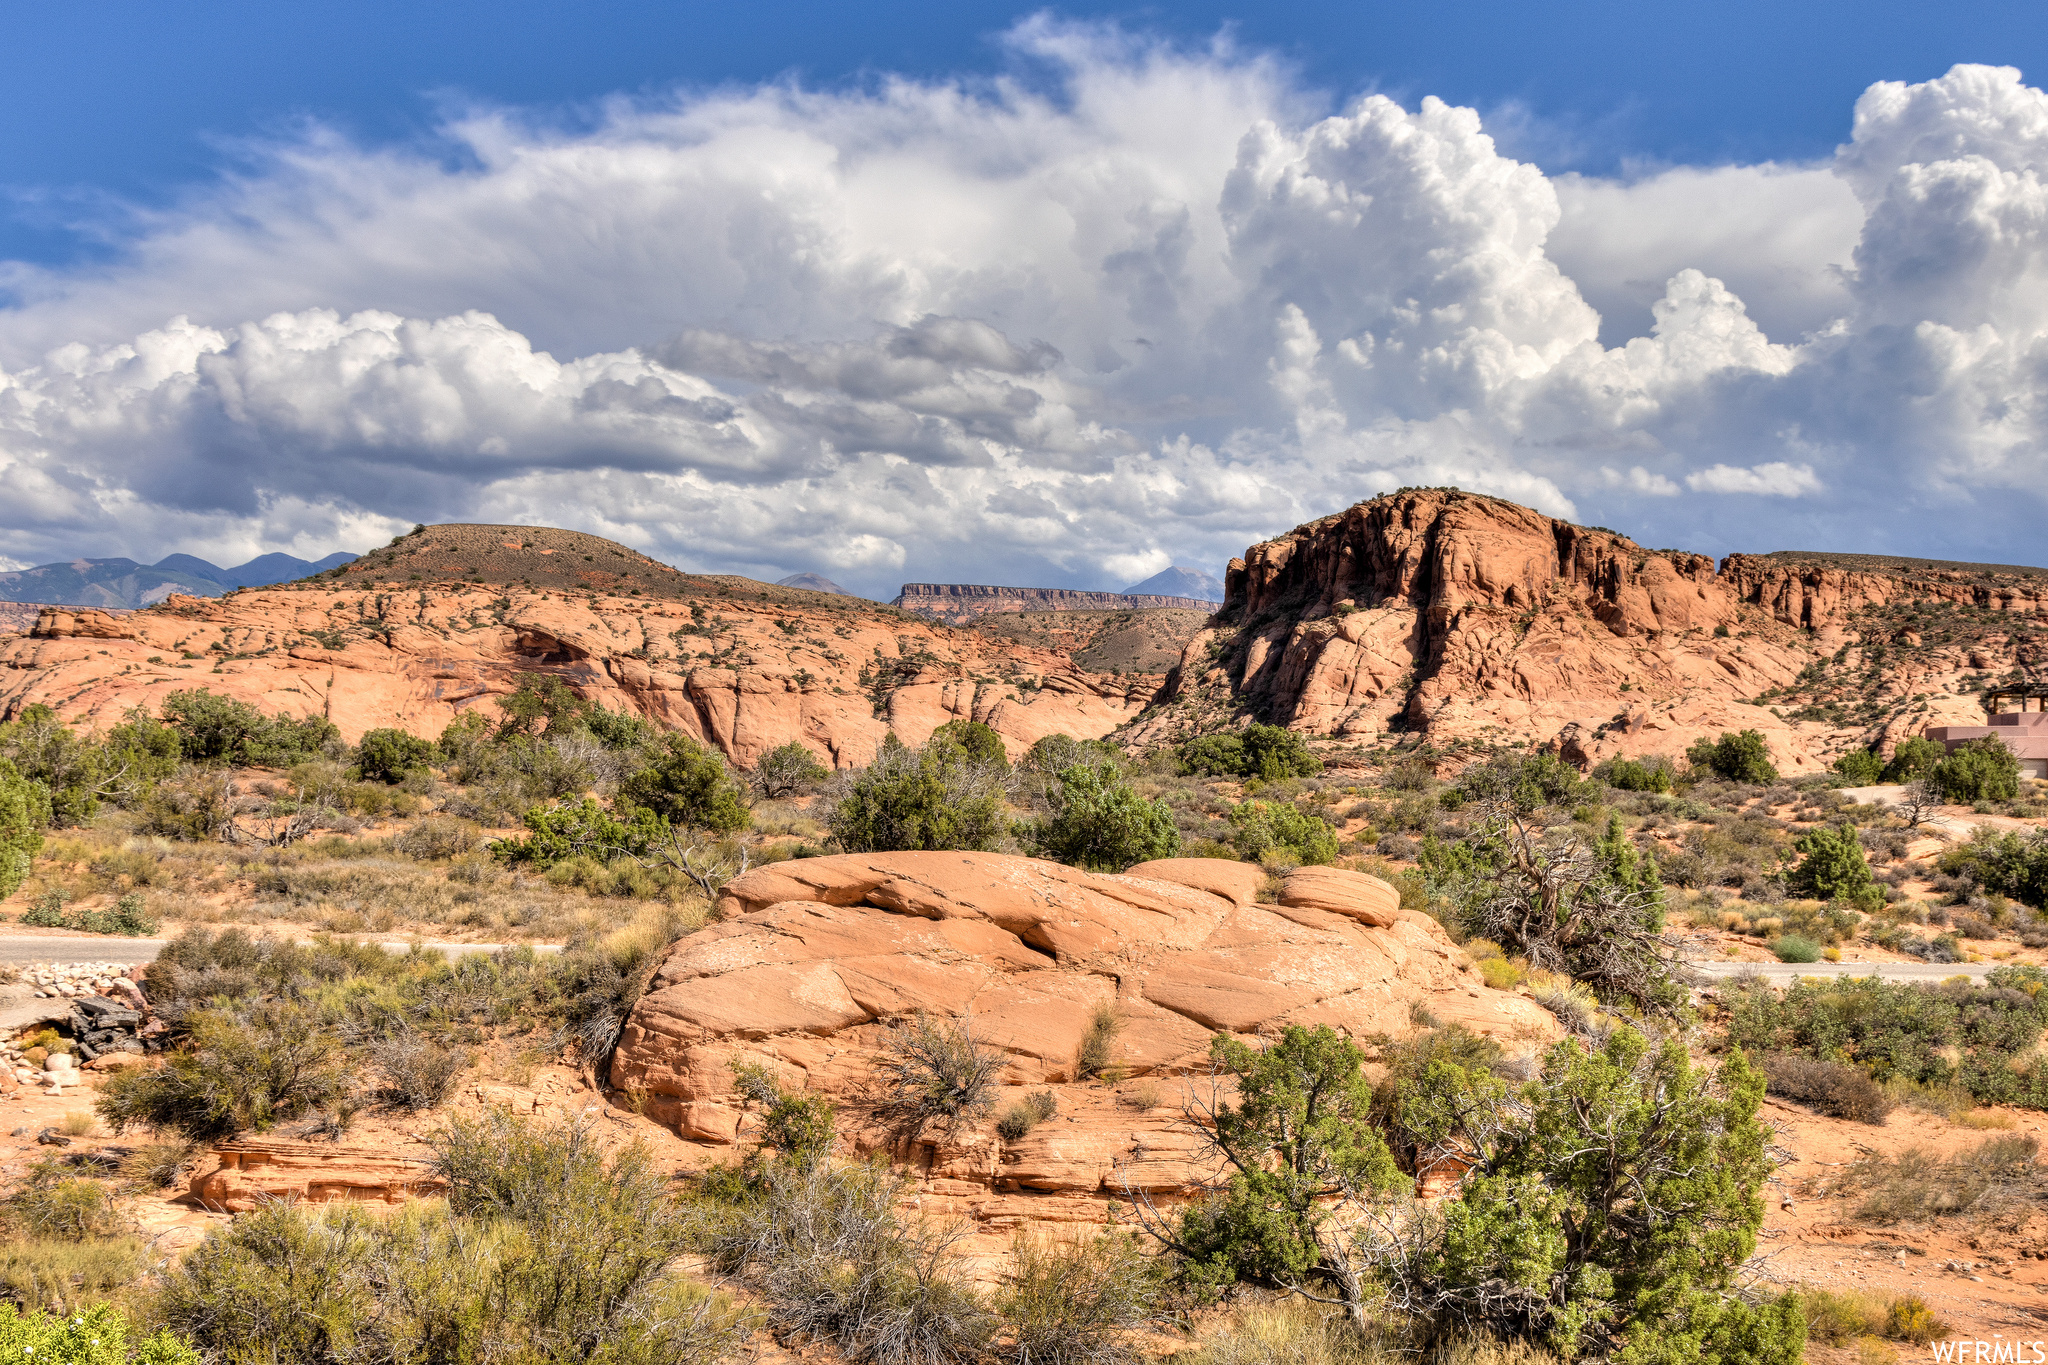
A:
[124,583]
[1179,581]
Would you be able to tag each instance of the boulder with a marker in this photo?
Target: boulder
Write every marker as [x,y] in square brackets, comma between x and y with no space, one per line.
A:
[815,960]
[250,1171]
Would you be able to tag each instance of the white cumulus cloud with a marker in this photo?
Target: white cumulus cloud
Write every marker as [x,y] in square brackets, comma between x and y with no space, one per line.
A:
[922,331]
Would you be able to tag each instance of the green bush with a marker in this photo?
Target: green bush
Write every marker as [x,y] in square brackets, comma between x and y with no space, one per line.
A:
[1860,767]
[547,1251]
[937,797]
[1832,1087]
[1832,867]
[580,829]
[2011,864]
[1794,948]
[1953,1033]
[219,731]
[1268,828]
[979,742]
[55,1202]
[539,704]
[24,815]
[789,770]
[81,772]
[1270,753]
[65,1275]
[1737,756]
[1914,758]
[687,785]
[390,756]
[1099,822]
[280,1062]
[99,1335]
[932,1070]
[1072,1304]
[1979,770]
[1629,775]
[1021,1117]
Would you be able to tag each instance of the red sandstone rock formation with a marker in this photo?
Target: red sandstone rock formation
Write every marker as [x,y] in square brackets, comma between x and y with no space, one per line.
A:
[814,960]
[1465,616]
[961,604]
[250,1171]
[743,670]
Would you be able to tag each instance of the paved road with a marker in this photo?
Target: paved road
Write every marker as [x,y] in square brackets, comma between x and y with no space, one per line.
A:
[1888,971]
[93,948]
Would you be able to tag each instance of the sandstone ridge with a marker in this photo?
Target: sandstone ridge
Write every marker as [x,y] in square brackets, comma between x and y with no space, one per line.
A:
[1463,616]
[814,961]
[745,667]
[961,603]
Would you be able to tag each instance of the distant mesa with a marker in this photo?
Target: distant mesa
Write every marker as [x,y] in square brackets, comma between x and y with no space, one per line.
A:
[124,583]
[1179,581]
[959,604]
[811,582]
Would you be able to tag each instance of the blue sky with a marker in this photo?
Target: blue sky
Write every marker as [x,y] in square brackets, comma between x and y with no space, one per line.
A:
[754,245]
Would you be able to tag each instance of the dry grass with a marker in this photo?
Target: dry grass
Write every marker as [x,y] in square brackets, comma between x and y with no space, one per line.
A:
[77,1124]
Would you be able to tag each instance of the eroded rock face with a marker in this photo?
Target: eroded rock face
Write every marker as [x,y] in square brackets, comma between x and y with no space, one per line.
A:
[251,1171]
[1467,616]
[746,671]
[815,960]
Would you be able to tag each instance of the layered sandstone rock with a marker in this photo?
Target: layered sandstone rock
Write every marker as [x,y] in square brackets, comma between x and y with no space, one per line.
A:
[248,1172]
[814,961]
[962,603]
[1465,616]
[743,669]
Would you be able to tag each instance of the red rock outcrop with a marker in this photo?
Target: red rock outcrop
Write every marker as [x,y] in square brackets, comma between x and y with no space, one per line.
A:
[1465,616]
[743,668]
[248,1172]
[961,604]
[813,961]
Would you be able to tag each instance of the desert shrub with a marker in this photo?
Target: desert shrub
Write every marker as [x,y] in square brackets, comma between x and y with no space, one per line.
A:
[1094,1057]
[1270,753]
[826,1248]
[1295,1332]
[1832,866]
[1910,1319]
[219,731]
[558,833]
[1613,1198]
[687,785]
[937,797]
[1072,1303]
[1636,775]
[1268,828]
[933,1070]
[1737,756]
[1833,1319]
[799,1127]
[99,1335]
[2010,864]
[194,806]
[54,1202]
[81,772]
[391,756]
[1831,1087]
[547,1251]
[24,815]
[1913,759]
[243,1071]
[1025,1114]
[977,740]
[1916,1185]
[158,1165]
[436,837]
[1860,768]
[1978,770]
[539,704]
[418,1073]
[1795,948]
[1932,1035]
[789,770]
[65,1275]
[1098,821]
